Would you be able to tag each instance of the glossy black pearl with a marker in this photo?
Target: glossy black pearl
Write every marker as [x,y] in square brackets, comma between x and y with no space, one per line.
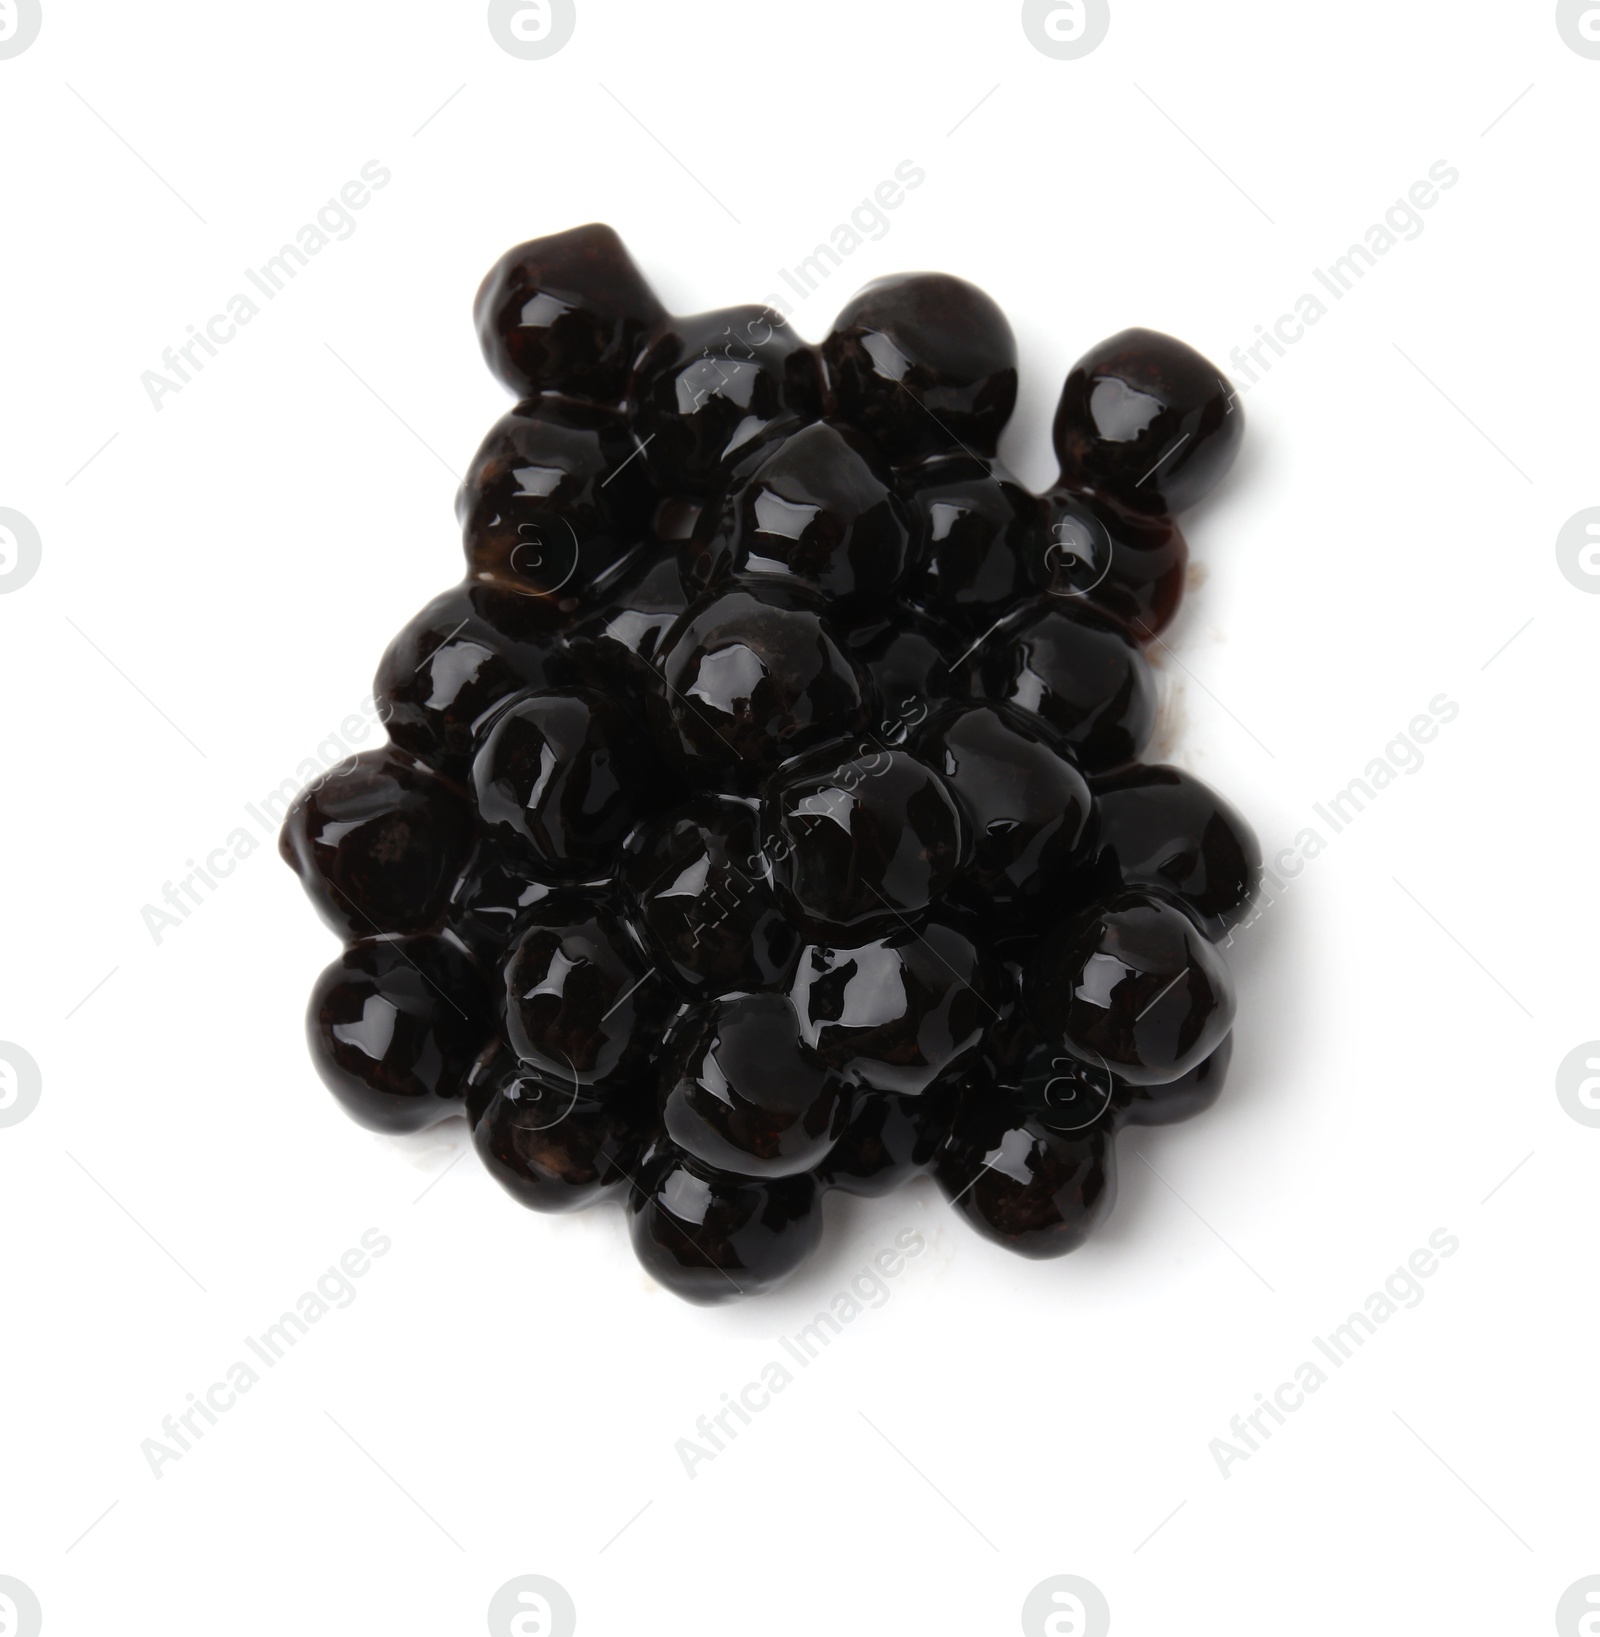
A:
[751,677]
[925,363]
[1055,1090]
[975,534]
[1148,420]
[712,1238]
[743,1093]
[703,558]
[818,511]
[1131,566]
[566,313]
[583,1004]
[377,843]
[560,775]
[554,499]
[1132,987]
[711,383]
[1026,806]
[1035,1191]
[1191,1093]
[899,1013]
[1078,671]
[547,1145]
[912,659]
[890,1139]
[490,903]
[701,897]
[470,648]
[860,840]
[1163,831]
[394,1027]
[613,648]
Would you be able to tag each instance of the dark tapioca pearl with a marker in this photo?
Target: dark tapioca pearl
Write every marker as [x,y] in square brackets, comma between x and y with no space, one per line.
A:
[711,383]
[583,1004]
[702,898]
[1037,1192]
[1129,565]
[554,499]
[899,1013]
[1163,831]
[563,776]
[819,511]
[974,535]
[548,1146]
[378,844]
[890,1139]
[614,648]
[490,903]
[751,677]
[860,840]
[742,1092]
[1026,805]
[1081,673]
[566,313]
[710,1237]
[1149,421]
[461,656]
[1133,987]
[1060,1093]
[911,658]
[924,363]
[1193,1092]
[394,1028]
[704,552]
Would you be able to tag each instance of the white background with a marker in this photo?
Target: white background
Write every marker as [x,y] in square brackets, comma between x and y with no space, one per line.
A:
[506,1393]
